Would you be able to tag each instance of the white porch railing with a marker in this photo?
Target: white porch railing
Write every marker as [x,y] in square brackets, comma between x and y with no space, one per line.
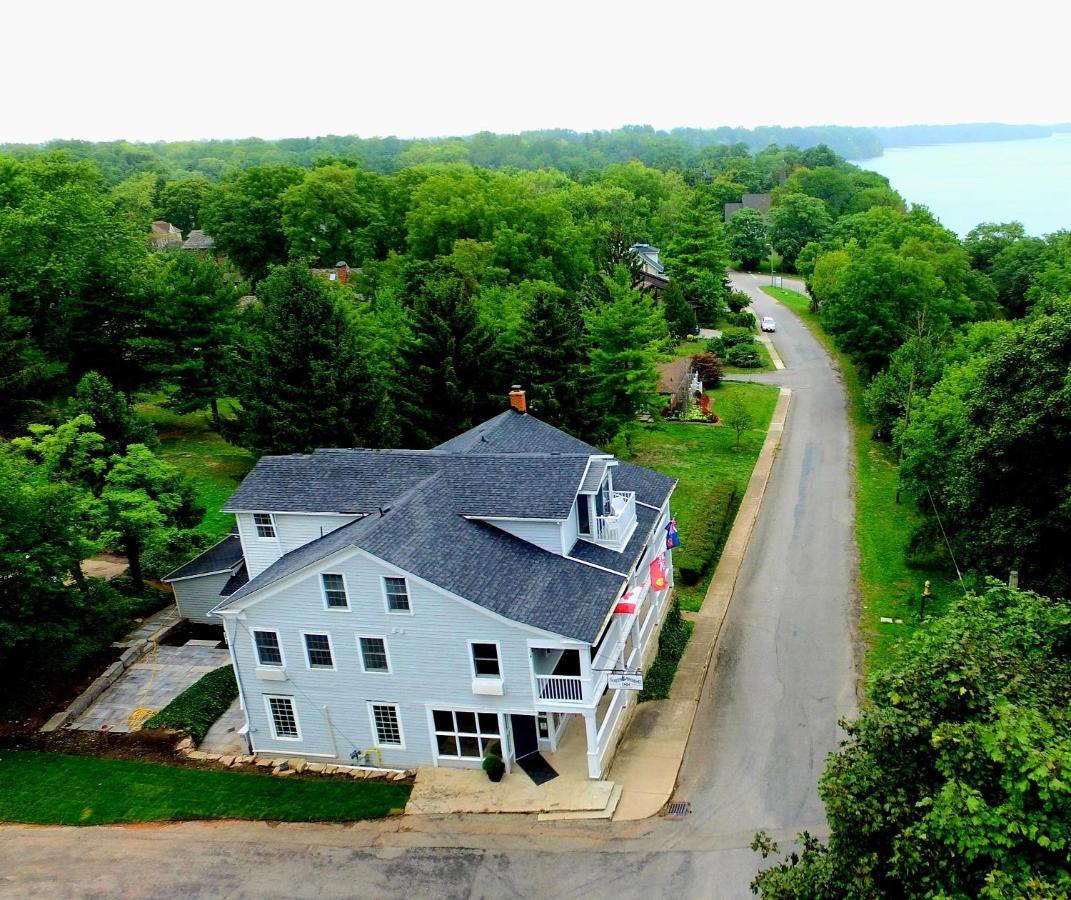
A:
[560,688]
[615,528]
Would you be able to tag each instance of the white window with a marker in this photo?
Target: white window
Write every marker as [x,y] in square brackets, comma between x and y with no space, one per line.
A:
[265,525]
[334,591]
[374,654]
[397,592]
[284,723]
[464,735]
[269,653]
[386,725]
[318,651]
[485,660]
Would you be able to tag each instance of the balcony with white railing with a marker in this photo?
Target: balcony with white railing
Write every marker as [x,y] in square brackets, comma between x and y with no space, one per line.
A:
[560,688]
[615,528]
[557,676]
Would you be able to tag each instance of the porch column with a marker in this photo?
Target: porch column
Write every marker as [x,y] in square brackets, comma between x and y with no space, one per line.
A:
[594,768]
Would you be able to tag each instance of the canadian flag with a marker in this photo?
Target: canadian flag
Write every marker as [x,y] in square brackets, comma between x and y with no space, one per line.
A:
[627,604]
[658,573]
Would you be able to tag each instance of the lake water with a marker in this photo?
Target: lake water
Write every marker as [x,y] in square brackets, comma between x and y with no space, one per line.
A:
[1002,181]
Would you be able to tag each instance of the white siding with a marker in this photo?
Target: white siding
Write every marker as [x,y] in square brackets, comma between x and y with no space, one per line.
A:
[547,535]
[292,530]
[569,531]
[195,597]
[429,656]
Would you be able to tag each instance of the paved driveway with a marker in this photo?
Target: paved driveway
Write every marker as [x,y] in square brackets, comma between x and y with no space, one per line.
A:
[785,672]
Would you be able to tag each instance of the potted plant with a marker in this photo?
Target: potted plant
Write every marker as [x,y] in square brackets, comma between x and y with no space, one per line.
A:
[492,762]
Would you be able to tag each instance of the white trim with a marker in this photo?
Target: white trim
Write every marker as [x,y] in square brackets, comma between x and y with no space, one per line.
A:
[229,571]
[648,505]
[584,562]
[472,659]
[386,652]
[375,732]
[274,536]
[294,512]
[386,597]
[345,590]
[256,651]
[513,519]
[433,733]
[330,649]
[271,718]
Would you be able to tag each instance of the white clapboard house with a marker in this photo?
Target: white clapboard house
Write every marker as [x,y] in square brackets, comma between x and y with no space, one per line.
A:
[412,607]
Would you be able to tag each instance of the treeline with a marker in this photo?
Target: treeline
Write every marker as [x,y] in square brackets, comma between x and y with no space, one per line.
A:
[572,152]
[924,135]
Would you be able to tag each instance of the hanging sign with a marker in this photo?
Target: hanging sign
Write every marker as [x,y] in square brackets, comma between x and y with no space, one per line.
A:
[625,681]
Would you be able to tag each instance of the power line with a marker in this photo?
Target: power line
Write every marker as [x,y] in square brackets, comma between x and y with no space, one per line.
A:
[941,525]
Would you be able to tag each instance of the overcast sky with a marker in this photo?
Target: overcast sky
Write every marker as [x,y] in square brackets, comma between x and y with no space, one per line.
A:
[188,69]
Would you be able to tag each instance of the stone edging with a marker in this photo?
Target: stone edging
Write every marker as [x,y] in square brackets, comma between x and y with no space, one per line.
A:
[289,765]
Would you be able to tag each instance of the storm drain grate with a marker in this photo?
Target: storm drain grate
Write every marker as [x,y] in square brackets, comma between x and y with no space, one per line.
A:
[679,808]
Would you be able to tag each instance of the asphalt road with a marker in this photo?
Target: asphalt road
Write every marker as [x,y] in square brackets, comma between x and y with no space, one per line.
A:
[786,671]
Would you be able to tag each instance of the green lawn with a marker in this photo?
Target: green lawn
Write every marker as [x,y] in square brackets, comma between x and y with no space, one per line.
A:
[690,348]
[190,444]
[54,789]
[888,587]
[713,476]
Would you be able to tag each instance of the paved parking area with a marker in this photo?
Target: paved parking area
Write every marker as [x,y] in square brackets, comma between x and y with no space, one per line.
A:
[151,683]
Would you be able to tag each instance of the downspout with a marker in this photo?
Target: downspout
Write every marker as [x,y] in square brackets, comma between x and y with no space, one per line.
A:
[238,679]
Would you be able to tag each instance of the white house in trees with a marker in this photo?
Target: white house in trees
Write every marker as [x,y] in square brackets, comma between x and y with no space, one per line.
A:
[411,607]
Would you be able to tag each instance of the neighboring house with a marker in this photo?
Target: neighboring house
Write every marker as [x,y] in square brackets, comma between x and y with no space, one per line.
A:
[164,236]
[679,383]
[199,241]
[340,272]
[200,583]
[761,202]
[413,606]
[652,273]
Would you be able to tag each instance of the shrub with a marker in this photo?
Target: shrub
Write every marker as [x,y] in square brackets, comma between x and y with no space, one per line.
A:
[741,320]
[733,336]
[738,301]
[709,369]
[717,347]
[744,357]
[196,709]
[671,643]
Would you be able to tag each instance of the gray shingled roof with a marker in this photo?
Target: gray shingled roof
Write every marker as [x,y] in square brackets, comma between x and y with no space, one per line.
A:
[221,557]
[522,485]
[593,479]
[237,580]
[198,240]
[514,432]
[419,510]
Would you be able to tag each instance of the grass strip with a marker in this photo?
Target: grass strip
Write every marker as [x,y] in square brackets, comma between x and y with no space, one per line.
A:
[56,789]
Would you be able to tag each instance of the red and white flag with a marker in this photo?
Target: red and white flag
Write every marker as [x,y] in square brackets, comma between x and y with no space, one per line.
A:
[627,604]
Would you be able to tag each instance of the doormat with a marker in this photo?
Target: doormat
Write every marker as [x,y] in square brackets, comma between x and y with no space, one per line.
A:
[538,769]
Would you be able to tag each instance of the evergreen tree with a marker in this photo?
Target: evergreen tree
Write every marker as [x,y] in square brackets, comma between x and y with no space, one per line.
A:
[448,364]
[190,333]
[680,317]
[551,359]
[24,369]
[697,258]
[626,335]
[304,380]
[113,416]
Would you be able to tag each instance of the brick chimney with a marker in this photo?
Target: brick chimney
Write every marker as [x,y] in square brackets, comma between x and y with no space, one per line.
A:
[517,399]
[342,270]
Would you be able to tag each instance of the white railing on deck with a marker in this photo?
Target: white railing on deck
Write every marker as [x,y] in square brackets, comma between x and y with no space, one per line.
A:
[615,528]
[560,688]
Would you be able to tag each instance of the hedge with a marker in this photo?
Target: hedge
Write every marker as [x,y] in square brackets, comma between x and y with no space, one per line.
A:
[198,707]
[671,643]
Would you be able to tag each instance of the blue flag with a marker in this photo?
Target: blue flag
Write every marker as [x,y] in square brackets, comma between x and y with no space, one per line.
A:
[672,538]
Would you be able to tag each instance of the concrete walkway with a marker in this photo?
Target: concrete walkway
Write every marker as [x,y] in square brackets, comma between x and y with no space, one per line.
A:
[223,736]
[650,755]
[150,684]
